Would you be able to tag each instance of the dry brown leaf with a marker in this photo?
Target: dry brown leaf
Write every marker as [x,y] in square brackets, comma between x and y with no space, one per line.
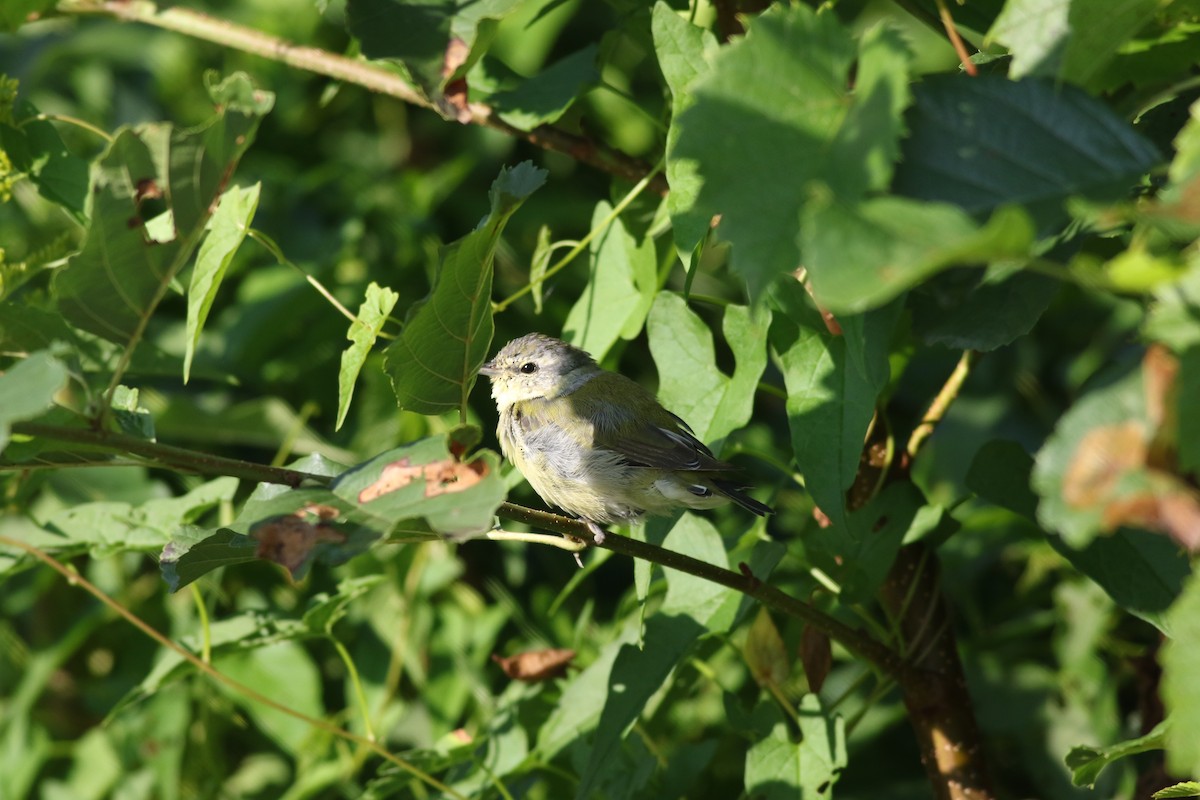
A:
[816,656]
[1159,370]
[535,665]
[1174,509]
[454,95]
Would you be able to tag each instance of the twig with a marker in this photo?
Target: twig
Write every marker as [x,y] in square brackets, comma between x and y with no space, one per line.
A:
[852,639]
[955,39]
[76,579]
[370,76]
[941,403]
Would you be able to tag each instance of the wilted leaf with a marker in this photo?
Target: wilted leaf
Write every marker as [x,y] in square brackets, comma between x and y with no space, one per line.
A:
[289,540]
[439,477]
[816,656]
[765,653]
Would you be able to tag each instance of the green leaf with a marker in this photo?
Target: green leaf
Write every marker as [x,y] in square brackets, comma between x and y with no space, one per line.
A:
[15,13]
[546,96]
[420,33]
[970,309]
[1180,689]
[372,315]
[778,768]
[685,52]
[446,336]
[1174,318]
[689,382]
[227,230]
[985,142]
[874,535]
[745,134]
[1086,762]
[830,401]
[621,287]
[285,673]
[1072,40]
[1185,789]
[153,179]
[1142,572]
[36,149]
[325,609]
[861,257]
[27,390]
[612,692]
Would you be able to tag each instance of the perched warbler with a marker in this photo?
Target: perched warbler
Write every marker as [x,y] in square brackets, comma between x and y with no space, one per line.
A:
[596,444]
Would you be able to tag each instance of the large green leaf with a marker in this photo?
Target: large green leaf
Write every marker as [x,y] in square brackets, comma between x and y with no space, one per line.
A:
[622,285]
[546,96]
[1072,40]
[760,146]
[984,142]
[781,767]
[685,53]
[446,336]
[980,309]
[1142,572]
[227,231]
[153,191]
[831,394]
[861,257]
[689,382]
[1180,689]
[27,390]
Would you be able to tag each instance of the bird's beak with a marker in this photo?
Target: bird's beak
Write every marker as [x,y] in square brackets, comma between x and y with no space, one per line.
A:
[489,368]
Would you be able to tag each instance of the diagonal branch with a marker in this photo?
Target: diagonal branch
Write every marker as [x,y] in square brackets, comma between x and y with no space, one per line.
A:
[858,642]
[373,77]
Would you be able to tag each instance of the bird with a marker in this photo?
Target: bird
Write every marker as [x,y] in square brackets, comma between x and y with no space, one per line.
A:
[598,445]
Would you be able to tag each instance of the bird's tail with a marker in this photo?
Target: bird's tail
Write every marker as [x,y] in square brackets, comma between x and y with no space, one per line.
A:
[735,493]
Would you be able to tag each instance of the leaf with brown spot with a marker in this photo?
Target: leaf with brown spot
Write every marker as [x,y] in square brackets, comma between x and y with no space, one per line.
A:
[288,540]
[533,666]
[440,477]
[765,653]
[1102,457]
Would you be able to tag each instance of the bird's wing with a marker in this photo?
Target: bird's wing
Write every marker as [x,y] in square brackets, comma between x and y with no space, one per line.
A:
[643,432]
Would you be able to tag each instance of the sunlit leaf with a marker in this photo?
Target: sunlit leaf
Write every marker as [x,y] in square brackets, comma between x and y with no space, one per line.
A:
[372,315]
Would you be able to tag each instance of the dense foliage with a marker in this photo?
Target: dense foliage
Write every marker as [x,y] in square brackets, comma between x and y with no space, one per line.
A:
[927,272]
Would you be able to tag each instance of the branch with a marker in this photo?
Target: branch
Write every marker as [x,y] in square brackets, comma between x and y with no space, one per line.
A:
[370,76]
[852,639]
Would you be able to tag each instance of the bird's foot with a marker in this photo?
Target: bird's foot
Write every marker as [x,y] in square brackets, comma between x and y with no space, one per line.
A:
[597,532]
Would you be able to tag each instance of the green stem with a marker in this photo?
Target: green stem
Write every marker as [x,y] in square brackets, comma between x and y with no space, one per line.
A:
[638,188]
[359,695]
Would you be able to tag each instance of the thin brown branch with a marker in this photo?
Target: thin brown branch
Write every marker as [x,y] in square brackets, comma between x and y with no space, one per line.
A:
[373,77]
[852,639]
[955,39]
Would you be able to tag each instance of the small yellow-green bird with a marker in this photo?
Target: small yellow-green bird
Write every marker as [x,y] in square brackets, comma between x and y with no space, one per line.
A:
[595,443]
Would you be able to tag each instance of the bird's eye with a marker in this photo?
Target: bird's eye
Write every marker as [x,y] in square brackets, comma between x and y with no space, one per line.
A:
[529,368]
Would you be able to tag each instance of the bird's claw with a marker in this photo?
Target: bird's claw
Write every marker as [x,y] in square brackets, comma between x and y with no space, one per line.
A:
[598,534]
